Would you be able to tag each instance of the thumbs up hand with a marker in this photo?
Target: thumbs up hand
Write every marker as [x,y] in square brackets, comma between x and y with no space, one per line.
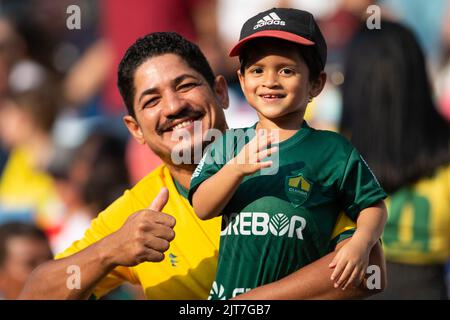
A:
[145,235]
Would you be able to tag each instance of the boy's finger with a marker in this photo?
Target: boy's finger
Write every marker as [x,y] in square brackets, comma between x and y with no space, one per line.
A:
[353,278]
[266,152]
[333,262]
[337,270]
[263,141]
[265,164]
[344,276]
[263,138]
[361,276]
[253,144]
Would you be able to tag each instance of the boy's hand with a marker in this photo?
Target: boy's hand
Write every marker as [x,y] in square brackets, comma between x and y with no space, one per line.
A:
[350,264]
[249,159]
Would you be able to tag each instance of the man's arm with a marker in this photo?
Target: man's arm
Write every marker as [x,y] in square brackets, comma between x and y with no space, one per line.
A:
[49,280]
[313,281]
[143,237]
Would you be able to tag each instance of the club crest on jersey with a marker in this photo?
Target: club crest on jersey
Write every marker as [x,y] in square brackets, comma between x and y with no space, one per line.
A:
[297,189]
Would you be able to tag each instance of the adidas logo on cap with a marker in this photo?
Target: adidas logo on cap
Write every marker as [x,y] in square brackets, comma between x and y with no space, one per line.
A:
[295,25]
[271,18]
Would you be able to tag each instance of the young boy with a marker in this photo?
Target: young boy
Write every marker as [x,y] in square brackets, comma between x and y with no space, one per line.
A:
[275,224]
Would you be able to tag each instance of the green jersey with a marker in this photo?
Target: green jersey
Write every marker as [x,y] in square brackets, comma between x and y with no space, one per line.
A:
[277,223]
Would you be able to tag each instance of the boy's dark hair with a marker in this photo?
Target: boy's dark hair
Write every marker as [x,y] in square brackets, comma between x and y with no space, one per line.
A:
[156,44]
[307,53]
[17,229]
[389,109]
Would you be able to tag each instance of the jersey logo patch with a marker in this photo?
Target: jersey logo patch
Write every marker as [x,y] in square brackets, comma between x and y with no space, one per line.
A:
[297,189]
[217,292]
[173,259]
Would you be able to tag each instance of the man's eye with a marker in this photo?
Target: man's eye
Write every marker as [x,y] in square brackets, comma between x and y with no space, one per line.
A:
[186,86]
[151,102]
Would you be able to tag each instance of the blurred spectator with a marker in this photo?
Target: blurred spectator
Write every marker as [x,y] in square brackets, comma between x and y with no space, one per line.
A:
[3,158]
[22,248]
[443,75]
[391,117]
[27,192]
[12,50]
[425,18]
[140,161]
[122,23]
[88,179]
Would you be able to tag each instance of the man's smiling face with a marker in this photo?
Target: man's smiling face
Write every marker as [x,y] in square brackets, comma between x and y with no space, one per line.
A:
[169,97]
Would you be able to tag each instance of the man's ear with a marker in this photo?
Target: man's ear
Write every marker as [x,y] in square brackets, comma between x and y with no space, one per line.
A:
[221,90]
[134,128]
[318,84]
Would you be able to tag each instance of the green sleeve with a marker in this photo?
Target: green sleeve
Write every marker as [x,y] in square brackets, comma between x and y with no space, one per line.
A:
[212,161]
[359,188]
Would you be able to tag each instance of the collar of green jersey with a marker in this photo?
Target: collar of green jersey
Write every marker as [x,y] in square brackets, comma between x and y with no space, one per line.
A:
[299,135]
[181,190]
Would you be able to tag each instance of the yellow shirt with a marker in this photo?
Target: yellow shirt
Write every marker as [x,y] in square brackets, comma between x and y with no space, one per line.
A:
[28,193]
[190,263]
[418,226]
[189,267]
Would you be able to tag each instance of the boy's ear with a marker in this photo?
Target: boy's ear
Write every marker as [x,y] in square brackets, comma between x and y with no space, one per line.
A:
[318,84]
[134,128]
[241,78]
[221,90]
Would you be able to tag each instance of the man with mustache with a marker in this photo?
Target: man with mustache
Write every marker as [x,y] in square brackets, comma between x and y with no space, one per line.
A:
[167,84]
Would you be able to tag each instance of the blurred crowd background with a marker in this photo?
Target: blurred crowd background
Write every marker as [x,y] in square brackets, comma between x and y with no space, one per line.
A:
[64,151]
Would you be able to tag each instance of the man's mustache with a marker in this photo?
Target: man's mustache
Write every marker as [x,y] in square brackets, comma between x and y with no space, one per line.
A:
[183,114]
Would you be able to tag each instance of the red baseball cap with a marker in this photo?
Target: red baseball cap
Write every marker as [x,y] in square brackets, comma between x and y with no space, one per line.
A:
[293,25]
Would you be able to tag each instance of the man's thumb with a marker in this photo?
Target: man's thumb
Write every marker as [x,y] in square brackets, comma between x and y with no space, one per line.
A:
[160,200]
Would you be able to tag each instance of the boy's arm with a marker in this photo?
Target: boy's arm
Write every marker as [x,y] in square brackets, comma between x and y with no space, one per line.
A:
[351,262]
[313,281]
[214,193]
[370,224]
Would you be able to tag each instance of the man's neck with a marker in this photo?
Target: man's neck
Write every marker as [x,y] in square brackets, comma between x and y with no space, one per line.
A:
[182,173]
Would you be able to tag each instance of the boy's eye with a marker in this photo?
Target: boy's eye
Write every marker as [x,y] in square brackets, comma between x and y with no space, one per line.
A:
[287,72]
[256,70]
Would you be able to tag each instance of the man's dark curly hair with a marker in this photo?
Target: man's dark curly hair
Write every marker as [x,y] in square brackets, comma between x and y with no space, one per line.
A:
[156,44]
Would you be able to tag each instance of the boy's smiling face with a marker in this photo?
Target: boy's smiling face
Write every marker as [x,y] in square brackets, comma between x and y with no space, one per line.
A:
[276,80]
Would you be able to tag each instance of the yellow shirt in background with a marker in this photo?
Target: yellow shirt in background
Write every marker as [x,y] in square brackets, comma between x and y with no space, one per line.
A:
[28,193]
[418,226]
